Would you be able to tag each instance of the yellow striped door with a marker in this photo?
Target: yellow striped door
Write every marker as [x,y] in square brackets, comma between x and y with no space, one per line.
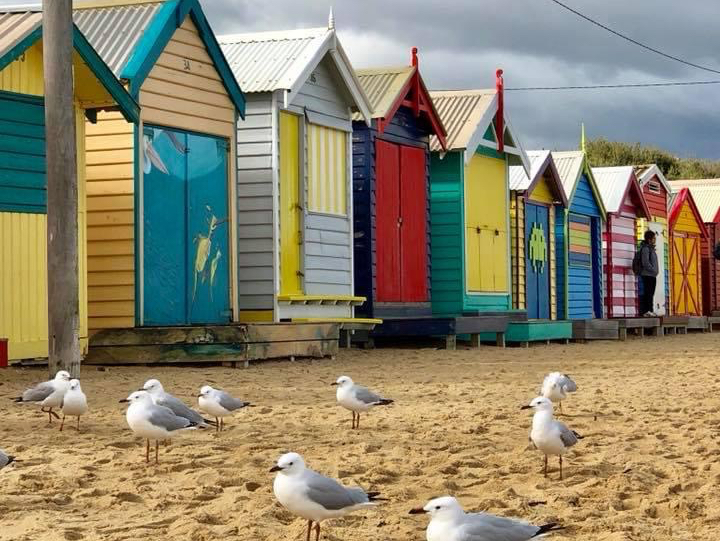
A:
[327,170]
[290,209]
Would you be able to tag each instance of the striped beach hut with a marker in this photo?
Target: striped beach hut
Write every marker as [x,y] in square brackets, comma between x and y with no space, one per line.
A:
[580,287]
[657,192]
[390,193]
[295,239]
[23,202]
[625,206]
[706,194]
[687,236]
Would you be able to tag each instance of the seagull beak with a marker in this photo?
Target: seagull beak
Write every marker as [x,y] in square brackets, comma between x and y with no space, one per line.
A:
[124,401]
[142,390]
[334,383]
[417,511]
[275,468]
[525,407]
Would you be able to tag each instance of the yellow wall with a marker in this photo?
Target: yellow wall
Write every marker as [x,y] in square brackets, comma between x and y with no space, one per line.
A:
[25,75]
[327,170]
[184,90]
[111,223]
[517,251]
[686,221]
[542,192]
[290,236]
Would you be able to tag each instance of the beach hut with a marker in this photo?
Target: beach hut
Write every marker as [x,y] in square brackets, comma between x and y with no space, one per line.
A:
[657,192]
[23,203]
[579,247]
[294,164]
[687,236]
[390,196]
[536,202]
[706,194]
[625,205]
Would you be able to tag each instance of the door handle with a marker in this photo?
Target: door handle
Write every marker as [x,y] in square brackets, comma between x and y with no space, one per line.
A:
[399,221]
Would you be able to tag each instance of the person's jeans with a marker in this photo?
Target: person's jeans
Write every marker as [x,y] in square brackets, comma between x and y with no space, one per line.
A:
[648,295]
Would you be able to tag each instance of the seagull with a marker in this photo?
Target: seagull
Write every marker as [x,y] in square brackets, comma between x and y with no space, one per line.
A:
[357,398]
[219,404]
[74,403]
[315,497]
[5,459]
[48,394]
[556,386]
[153,422]
[548,435]
[161,398]
[449,522]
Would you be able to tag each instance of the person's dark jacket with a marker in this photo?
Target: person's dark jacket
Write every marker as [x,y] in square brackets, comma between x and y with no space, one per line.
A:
[649,260]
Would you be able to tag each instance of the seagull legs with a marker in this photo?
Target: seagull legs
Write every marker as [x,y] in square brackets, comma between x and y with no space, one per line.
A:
[561,467]
[561,407]
[78,424]
[217,425]
[50,413]
[546,461]
[222,424]
[317,525]
[62,423]
[147,451]
[157,447]
[310,525]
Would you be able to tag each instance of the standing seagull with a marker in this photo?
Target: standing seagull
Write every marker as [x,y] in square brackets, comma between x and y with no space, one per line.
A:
[5,460]
[315,497]
[556,385]
[219,404]
[153,422]
[357,398]
[74,403]
[161,398]
[449,522]
[548,435]
[48,394]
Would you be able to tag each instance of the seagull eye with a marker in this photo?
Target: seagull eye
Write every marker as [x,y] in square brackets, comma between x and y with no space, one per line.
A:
[437,507]
[291,463]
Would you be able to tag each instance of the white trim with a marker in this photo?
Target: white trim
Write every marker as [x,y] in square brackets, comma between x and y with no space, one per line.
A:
[349,213]
[232,194]
[652,171]
[478,135]
[139,227]
[275,165]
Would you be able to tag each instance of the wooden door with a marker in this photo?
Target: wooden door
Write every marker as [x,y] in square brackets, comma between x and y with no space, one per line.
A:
[537,261]
[413,224]
[387,222]
[659,301]
[686,275]
[622,286]
[290,205]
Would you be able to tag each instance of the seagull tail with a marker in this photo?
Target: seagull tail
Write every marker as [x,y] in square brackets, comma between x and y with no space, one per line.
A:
[385,402]
[209,422]
[373,497]
[547,528]
[578,436]
[17,399]
[11,459]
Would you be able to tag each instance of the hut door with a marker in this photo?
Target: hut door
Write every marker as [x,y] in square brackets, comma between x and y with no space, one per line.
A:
[537,235]
[290,206]
[686,280]
[622,283]
[659,300]
[185,229]
[401,223]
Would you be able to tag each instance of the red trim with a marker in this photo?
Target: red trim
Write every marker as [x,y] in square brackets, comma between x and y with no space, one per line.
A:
[635,188]
[716,219]
[500,116]
[683,196]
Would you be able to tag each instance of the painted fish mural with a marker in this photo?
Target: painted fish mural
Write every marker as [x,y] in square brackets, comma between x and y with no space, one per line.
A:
[202,254]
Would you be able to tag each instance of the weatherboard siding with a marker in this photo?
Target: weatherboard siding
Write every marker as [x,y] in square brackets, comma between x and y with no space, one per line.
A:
[25,75]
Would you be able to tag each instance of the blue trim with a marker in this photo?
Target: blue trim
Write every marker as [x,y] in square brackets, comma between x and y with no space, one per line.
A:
[160,32]
[128,106]
[24,44]
[22,98]
[136,216]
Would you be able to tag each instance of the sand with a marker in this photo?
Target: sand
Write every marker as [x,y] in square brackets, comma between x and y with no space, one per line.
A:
[647,469]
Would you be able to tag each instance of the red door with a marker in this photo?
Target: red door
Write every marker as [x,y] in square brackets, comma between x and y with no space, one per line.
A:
[413,224]
[387,225]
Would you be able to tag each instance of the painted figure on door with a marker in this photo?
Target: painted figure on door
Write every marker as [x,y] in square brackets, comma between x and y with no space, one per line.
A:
[152,157]
[538,248]
[203,252]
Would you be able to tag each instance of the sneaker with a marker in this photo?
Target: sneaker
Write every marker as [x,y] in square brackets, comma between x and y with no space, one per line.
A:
[649,314]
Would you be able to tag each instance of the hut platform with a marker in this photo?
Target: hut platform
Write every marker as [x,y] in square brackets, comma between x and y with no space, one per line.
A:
[643,326]
[538,330]
[698,323]
[712,321]
[674,325]
[595,329]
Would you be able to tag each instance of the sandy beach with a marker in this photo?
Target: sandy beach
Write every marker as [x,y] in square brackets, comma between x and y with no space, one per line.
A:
[647,469]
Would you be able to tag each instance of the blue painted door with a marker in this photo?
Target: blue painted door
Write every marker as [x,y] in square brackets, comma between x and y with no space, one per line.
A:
[537,261]
[185,229]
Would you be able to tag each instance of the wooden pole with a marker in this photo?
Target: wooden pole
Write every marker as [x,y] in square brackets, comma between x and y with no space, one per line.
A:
[62,188]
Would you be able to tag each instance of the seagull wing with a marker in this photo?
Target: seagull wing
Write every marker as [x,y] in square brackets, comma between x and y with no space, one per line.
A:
[568,437]
[179,408]
[485,527]
[366,396]
[39,393]
[228,402]
[165,418]
[567,383]
[332,495]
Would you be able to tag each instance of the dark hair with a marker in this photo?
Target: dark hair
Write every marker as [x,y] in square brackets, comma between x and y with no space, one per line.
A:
[649,235]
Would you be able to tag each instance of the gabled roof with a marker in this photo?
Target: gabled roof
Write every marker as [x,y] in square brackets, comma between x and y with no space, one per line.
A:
[615,184]
[388,89]
[679,199]
[572,165]
[20,29]
[467,116]
[645,174]
[541,162]
[269,61]
[130,35]
[706,193]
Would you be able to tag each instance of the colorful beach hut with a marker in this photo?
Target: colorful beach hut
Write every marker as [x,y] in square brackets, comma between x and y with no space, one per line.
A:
[23,203]
[625,206]
[295,214]
[706,194]
[579,248]
[657,193]
[161,192]
[687,236]
[537,201]
[390,194]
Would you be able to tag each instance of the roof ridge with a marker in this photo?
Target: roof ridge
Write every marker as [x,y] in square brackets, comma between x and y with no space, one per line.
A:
[271,35]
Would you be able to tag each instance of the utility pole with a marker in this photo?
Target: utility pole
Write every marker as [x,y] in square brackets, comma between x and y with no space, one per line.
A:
[62,189]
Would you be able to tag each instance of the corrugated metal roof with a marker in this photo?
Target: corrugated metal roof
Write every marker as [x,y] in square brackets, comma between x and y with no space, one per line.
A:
[705,192]
[460,111]
[612,183]
[267,61]
[519,180]
[569,165]
[381,86]
[16,26]
[115,30]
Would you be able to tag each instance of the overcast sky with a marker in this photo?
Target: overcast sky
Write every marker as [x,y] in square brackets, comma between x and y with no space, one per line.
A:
[537,43]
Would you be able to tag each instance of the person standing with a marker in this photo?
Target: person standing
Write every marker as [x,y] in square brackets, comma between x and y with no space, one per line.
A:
[648,273]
